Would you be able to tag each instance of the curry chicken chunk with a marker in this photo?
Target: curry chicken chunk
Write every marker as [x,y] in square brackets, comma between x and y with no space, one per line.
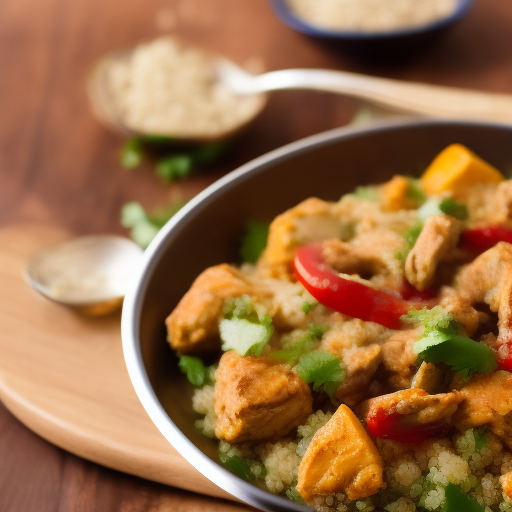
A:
[256,398]
[341,458]
[193,327]
[361,360]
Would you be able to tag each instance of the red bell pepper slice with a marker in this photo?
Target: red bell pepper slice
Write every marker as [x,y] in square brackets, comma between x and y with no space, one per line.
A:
[505,364]
[505,356]
[411,294]
[392,425]
[479,240]
[349,297]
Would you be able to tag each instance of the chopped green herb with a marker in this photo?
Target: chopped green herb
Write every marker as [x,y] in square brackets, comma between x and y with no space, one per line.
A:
[481,440]
[435,319]
[461,353]
[174,167]
[411,236]
[242,329]
[209,153]
[456,500]
[159,216]
[195,370]
[131,154]
[322,369]
[293,494]
[451,207]
[181,165]
[242,308]
[368,193]
[308,306]
[306,343]
[254,241]
[441,343]
[415,191]
[143,233]
[316,331]
[131,214]
[447,206]
[240,467]
[144,227]
[245,337]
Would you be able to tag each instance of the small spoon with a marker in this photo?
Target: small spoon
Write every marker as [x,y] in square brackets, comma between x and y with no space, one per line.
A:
[88,273]
[417,98]
[104,105]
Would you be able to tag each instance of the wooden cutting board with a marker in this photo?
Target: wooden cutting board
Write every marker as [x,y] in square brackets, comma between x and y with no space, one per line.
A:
[63,375]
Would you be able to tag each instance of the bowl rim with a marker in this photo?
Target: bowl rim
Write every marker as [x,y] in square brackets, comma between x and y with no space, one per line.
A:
[285,14]
[132,307]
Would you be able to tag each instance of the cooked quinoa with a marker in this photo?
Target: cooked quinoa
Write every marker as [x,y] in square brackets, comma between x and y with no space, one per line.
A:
[366,357]
[371,15]
[166,88]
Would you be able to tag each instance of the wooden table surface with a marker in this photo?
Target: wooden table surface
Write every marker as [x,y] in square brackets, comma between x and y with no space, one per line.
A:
[59,166]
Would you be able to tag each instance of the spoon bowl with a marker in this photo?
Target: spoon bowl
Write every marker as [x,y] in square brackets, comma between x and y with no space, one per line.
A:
[88,273]
[106,108]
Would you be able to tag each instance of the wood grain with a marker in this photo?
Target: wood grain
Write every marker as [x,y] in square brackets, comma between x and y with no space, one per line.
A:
[59,166]
[63,375]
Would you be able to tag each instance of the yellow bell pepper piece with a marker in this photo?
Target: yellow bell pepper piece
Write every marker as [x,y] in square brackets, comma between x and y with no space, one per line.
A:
[455,168]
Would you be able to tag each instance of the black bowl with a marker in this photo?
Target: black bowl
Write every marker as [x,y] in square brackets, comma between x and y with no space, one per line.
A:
[206,232]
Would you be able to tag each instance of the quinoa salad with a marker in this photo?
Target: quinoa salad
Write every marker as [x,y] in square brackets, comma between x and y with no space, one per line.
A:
[360,358]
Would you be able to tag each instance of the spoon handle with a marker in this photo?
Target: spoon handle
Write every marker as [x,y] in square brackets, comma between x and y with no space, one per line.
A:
[429,100]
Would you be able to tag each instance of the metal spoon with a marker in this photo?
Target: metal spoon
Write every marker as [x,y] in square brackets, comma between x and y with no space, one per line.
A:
[89,273]
[417,98]
[409,97]
[104,104]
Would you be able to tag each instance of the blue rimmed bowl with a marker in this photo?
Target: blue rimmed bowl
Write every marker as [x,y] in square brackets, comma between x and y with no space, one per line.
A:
[379,44]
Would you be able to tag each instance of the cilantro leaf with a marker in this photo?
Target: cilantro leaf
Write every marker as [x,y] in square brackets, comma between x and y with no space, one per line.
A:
[143,226]
[293,495]
[245,337]
[254,241]
[442,343]
[303,345]
[322,369]
[456,500]
[461,353]
[446,206]
[174,167]
[368,193]
[131,154]
[195,370]
[481,440]
[242,329]
[426,342]
[411,236]
[210,153]
[451,207]
[159,216]
[240,467]
[435,319]
[308,306]
[241,308]
[131,214]
[415,191]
